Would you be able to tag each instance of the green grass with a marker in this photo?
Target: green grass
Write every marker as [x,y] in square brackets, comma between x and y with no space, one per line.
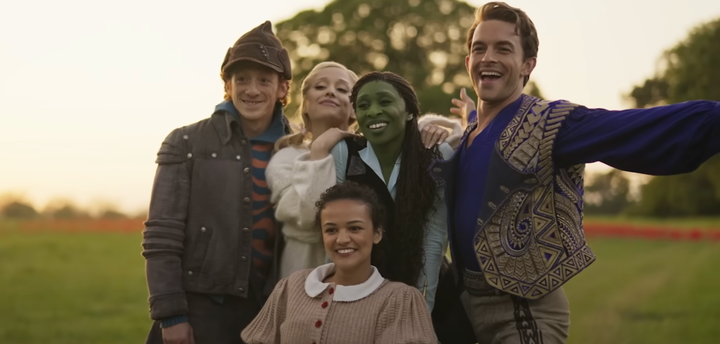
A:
[676,223]
[647,292]
[90,288]
[72,288]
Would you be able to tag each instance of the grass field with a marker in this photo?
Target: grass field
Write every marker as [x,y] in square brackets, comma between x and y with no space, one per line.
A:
[689,223]
[89,288]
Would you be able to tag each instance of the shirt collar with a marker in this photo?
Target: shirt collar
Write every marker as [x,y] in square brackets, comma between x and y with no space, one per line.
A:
[368,155]
[314,285]
[274,132]
[510,110]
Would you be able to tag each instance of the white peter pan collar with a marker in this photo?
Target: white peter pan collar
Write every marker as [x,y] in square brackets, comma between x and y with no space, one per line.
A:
[314,285]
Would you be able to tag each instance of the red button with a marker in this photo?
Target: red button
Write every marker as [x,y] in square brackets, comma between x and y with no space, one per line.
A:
[331,291]
[318,323]
[325,304]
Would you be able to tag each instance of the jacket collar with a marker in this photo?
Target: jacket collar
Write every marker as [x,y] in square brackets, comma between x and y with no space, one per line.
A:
[315,286]
[275,130]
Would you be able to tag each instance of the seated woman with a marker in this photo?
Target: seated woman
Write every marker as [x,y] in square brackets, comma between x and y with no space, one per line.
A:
[347,301]
[392,160]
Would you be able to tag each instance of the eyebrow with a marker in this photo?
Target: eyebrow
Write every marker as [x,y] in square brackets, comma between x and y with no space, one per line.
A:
[503,42]
[327,80]
[349,222]
[506,43]
[383,93]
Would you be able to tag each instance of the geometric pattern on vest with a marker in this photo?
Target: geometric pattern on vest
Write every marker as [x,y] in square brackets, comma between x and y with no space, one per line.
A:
[531,240]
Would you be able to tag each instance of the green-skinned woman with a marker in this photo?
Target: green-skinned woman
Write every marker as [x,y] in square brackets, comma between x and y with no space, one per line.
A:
[391,159]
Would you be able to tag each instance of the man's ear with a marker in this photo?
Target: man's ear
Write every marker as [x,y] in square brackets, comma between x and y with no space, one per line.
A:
[528,66]
[283,89]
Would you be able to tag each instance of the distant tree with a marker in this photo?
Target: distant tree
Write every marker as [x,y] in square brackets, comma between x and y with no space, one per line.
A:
[608,194]
[532,89]
[68,212]
[63,208]
[18,210]
[423,41]
[111,214]
[690,194]
[688,71]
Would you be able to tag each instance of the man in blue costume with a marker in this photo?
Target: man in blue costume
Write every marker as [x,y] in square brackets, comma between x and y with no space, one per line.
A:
[515,183]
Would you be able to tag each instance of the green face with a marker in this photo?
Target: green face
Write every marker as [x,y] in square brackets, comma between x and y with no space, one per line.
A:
[381,113]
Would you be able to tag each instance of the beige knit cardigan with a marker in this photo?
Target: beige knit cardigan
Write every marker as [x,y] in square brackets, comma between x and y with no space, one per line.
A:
[392,313]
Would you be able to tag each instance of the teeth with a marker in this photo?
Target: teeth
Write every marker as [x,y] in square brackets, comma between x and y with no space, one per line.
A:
[377,125]
[491,74]
[349,250]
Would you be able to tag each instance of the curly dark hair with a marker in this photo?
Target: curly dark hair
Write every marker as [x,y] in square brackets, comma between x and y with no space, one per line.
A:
[416,190]
[356,192]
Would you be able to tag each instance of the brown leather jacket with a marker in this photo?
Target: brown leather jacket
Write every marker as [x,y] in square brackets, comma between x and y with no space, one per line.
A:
[197,237]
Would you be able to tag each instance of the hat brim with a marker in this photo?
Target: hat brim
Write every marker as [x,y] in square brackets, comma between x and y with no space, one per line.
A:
[272,66]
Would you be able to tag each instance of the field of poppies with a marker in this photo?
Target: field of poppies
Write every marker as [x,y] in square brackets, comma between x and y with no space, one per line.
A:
[82,281]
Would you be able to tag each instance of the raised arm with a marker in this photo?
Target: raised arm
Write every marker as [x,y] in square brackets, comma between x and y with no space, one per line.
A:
[662,140]
[440,129]
[165,231]
[296,183]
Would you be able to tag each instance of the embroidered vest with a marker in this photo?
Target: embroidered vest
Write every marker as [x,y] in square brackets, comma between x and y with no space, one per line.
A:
[359,172]
[530,240]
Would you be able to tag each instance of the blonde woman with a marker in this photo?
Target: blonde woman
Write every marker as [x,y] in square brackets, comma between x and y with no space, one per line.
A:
[295,181]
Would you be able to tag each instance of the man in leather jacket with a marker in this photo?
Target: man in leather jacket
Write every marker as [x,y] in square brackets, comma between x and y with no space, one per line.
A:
[211,240]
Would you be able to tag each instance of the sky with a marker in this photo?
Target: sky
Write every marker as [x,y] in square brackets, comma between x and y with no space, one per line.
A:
[89,89]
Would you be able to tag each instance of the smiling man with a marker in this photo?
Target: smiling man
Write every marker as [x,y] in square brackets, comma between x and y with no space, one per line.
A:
[210,241]
[515,184]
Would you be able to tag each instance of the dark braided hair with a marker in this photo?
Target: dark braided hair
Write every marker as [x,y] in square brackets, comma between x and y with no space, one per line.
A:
[416,193]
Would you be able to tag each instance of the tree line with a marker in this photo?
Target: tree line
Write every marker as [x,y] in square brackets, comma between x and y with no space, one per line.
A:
[14,207]
[688,71]
[424,41]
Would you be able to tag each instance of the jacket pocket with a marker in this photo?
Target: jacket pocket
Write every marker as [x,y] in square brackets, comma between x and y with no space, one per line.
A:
[197,255]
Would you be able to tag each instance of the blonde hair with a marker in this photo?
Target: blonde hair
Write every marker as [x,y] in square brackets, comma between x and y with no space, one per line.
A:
[299,137]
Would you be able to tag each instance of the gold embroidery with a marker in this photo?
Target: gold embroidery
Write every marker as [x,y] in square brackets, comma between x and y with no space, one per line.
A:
[534,243]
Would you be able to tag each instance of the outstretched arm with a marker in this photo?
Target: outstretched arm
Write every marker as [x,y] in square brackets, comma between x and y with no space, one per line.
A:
[662,140]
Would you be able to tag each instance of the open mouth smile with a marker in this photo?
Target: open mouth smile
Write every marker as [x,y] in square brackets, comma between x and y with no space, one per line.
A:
[377,125]
[344,252]
[489,76]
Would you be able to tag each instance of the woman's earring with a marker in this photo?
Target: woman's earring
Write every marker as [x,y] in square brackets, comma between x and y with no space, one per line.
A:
[410,117]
